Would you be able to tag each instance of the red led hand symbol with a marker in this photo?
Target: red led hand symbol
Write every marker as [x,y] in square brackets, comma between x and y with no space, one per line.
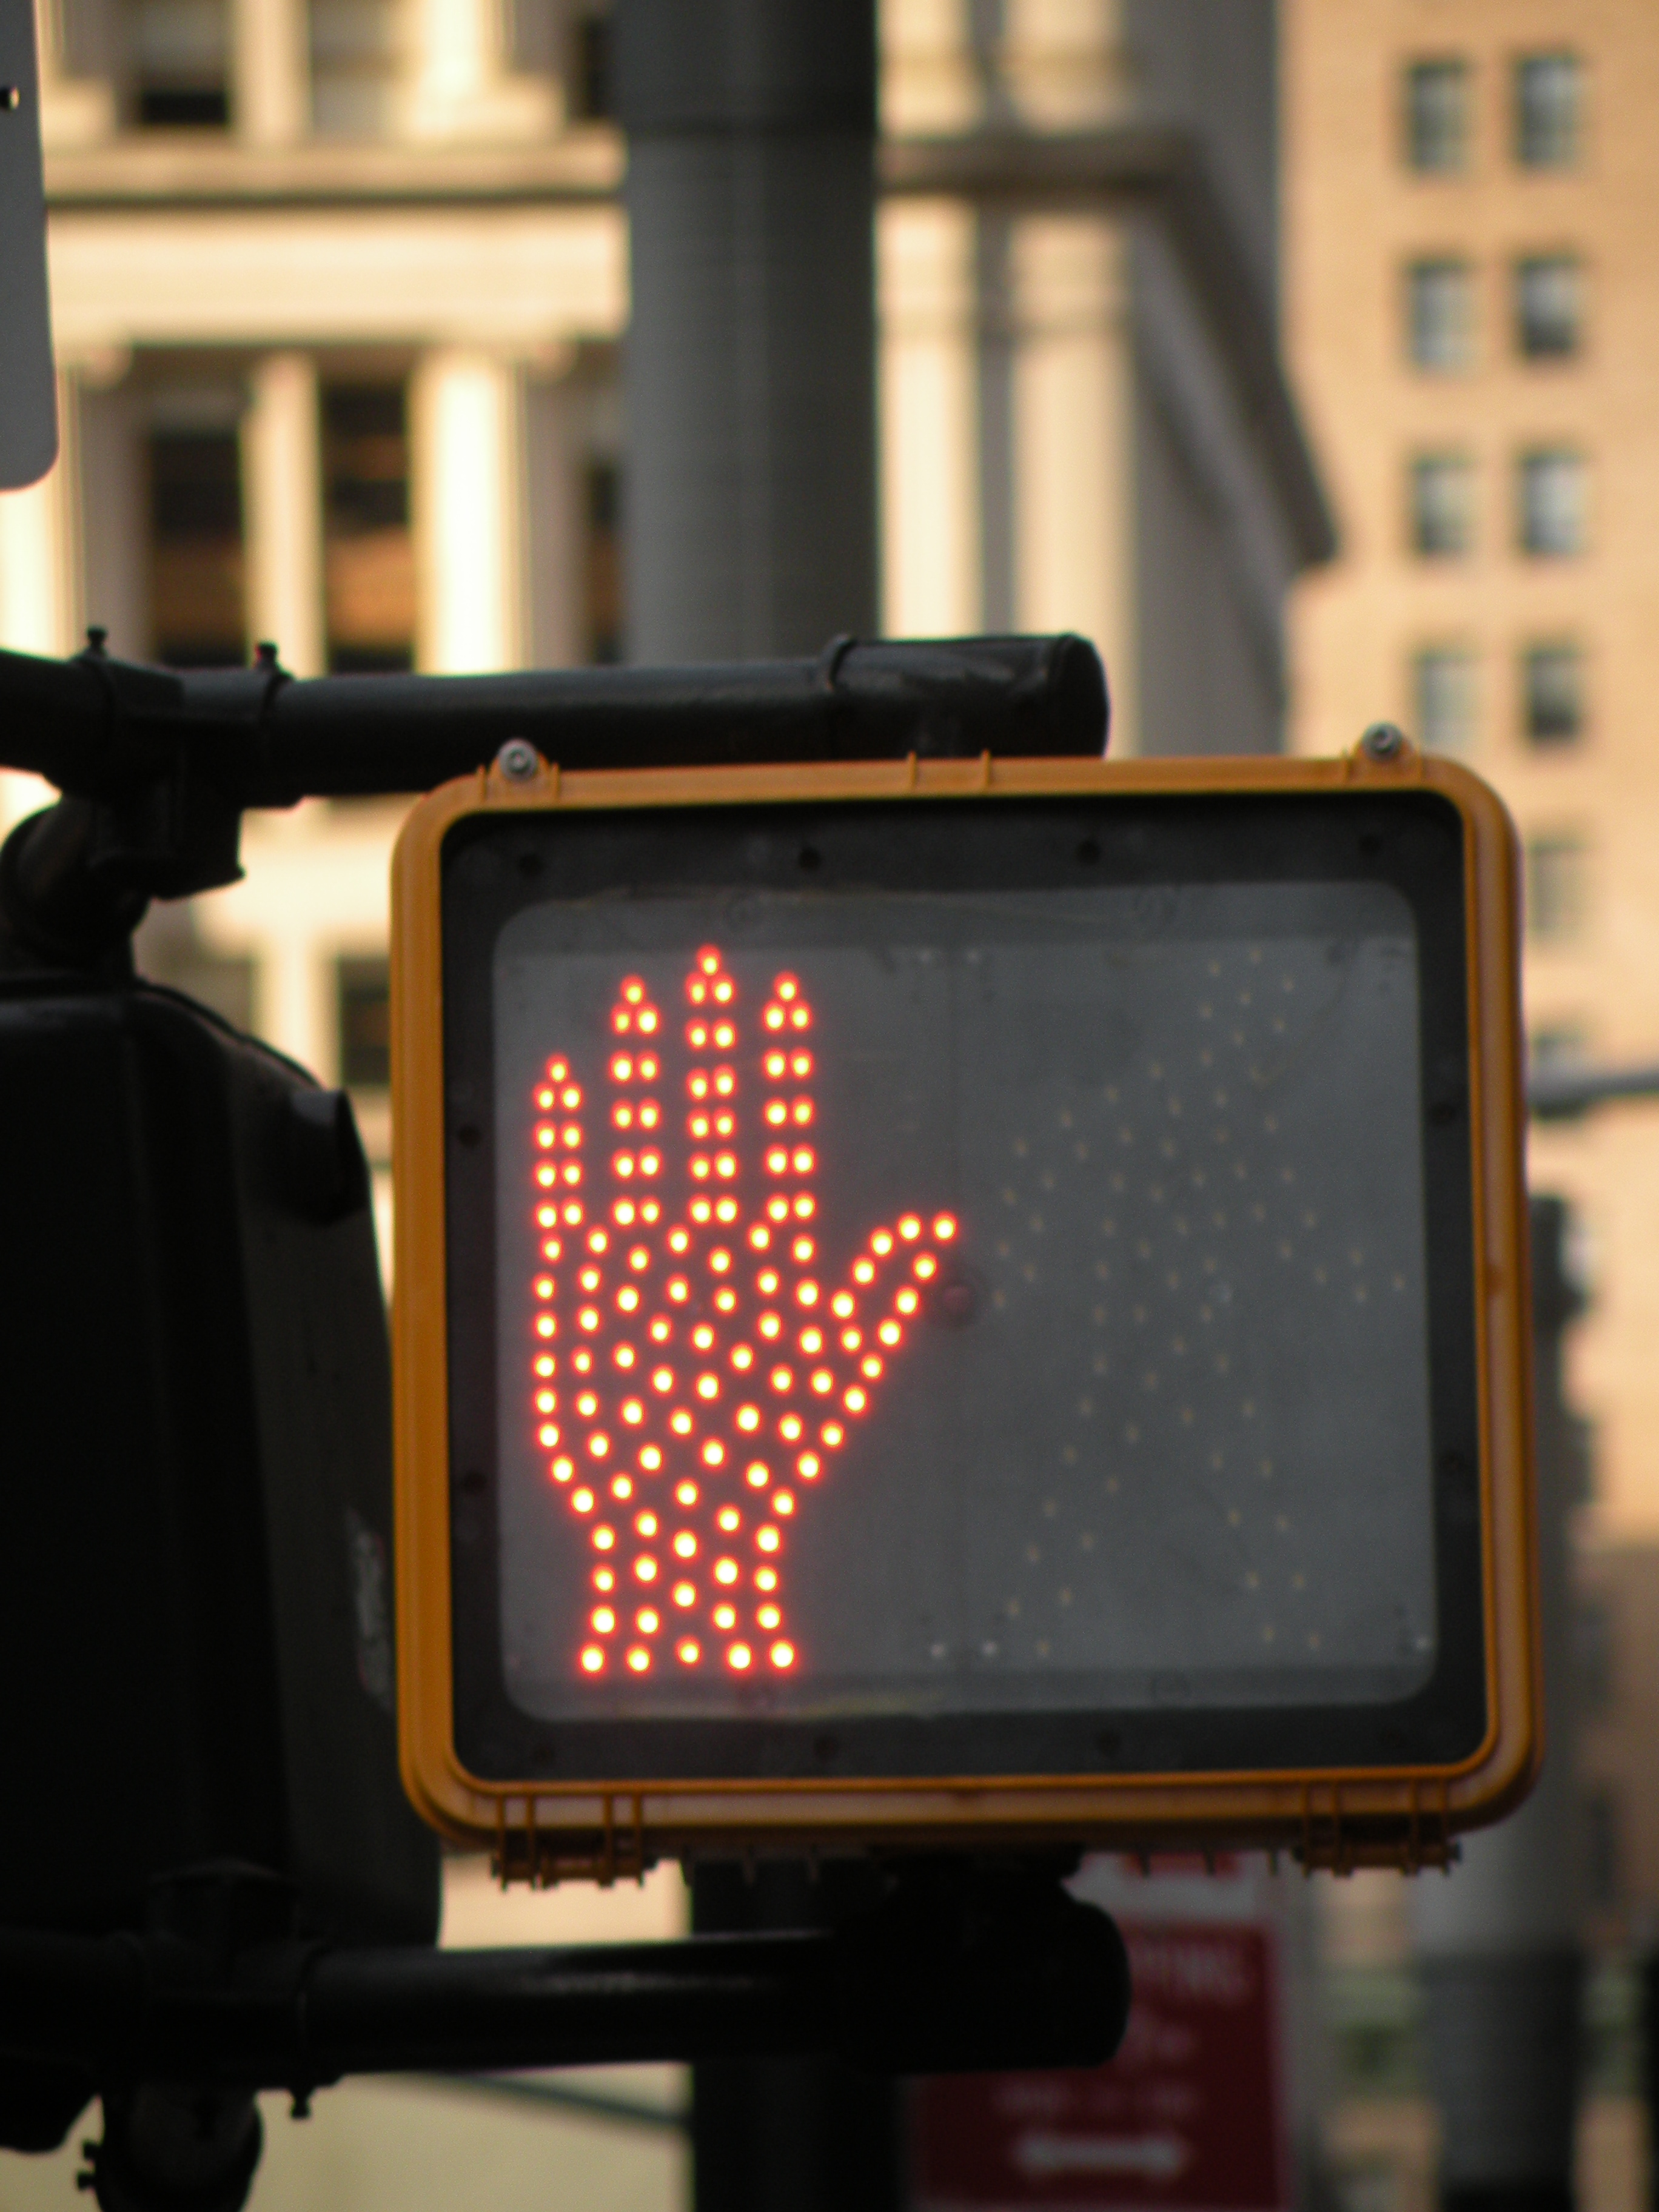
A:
[695,1374]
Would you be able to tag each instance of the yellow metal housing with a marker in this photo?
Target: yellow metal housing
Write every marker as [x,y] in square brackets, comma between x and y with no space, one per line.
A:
[547,1831]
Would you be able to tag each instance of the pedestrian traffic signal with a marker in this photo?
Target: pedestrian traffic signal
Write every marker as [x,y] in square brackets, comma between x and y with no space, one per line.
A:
[962,1302]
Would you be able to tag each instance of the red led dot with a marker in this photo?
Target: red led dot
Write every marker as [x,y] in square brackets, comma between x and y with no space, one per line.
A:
[662,1378]
[777,1161]
[583,1501]
[713,1453]
[645,1570]
[782,1379]
[639,1660]
[603,1539]
[807,1467]
[598,1444]
[832,1434]
[944,1228]
[633,1412]
[563,1469]
[592,1660]
[890,1332]
[870,1368]
[756,1474]
[927,1266]
[651,1459]
[851,1339]
[687,1652]
[742,1357]
[726,1616]
[773,1018]
[790,1428]
[558,1069]
[783,1503]
[645,1524]
[685,1545]
[807,1292]
[622,1488]
[800,1065]
[908,1300]
[726,1572]
[546,1325]
[843,1305]
[787,987]
[766,1578]
[647,1621]
[684,1594]
[546,1177]
[855,1400]
[605,1579]
[749,1418]
[605,1620]
[680,1423]
[824,1381]
[863,1271]
[708,959]
[740,1658]
[777,1209]
[547,1435]
[909,1227]
[783,1655]
[729,1518]
[707,1385]
[768,1616]
[633,990]
[803,1162]
[882,1242]
[769,1539]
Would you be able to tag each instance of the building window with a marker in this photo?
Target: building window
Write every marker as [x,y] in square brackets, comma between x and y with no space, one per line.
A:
[179,53]
[1553,693]
[1553,501]
[196,571]
[1443,688]
[604,577]
[368,552]
[1549,102]
[1442,492]
[590,89]
[1440,313]
[1556,873]
[356,61]
[1548,305]
[1438,117]
[363,1014]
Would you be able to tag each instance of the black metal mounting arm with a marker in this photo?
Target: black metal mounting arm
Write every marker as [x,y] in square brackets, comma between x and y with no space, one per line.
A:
[157,766]
[962,1967]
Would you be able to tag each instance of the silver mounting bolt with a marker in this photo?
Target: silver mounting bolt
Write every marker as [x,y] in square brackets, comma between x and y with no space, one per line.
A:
[1384,740]
[519,761]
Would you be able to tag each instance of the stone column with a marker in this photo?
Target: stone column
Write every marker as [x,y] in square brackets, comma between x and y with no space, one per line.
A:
[462,83]
[271,71]
[467,439]
[1073,442]
[282,482]
[931,585]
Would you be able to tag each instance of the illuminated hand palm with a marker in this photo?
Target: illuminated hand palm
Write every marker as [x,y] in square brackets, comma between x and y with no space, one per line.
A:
[694,1373]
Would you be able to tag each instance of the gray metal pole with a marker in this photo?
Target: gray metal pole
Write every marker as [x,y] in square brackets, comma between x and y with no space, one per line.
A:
[749,487]
[1498,1939]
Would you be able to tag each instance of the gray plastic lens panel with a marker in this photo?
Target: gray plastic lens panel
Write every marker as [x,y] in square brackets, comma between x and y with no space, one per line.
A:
[1158,1431]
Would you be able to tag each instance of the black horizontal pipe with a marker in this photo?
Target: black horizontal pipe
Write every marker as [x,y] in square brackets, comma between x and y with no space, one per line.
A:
[101,728]
[897,1993]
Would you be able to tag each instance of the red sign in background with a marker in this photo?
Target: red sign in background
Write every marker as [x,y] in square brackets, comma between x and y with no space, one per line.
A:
[1188,2115]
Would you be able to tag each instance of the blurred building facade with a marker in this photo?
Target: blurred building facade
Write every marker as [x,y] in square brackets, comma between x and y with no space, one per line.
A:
[1470,314]
[339,288]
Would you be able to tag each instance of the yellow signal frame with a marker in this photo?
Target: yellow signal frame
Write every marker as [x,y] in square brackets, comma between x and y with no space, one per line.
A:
[1396,1815]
